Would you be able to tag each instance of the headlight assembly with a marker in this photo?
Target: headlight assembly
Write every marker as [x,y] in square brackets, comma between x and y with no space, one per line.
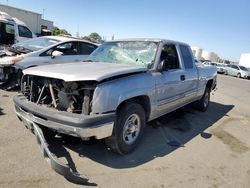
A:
[10,60]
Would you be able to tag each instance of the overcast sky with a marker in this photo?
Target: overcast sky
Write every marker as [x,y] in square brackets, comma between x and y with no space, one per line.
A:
[221,26]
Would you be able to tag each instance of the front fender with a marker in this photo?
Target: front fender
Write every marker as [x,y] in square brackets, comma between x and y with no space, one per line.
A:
[108,95]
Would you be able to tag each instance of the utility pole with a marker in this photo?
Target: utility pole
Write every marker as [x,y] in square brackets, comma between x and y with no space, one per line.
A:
[43,12]
[77,33]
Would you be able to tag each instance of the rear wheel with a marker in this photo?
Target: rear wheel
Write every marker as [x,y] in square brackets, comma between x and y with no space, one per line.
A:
[203,103]
[128,129]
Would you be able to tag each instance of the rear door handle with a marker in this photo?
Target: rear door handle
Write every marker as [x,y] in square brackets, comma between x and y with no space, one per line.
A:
[183,77]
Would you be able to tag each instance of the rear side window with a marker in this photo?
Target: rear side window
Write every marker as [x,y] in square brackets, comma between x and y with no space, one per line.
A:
[86,49]
[68,48]
[234,67]
[186,56]
[24,32]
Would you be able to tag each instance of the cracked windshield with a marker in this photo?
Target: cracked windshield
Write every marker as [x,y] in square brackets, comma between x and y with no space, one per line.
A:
[134,53]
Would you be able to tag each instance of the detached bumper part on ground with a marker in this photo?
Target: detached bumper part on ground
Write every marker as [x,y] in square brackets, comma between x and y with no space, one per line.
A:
[56,165]
[99,126]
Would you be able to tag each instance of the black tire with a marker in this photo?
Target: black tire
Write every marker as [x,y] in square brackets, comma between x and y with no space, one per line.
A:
[119,141]
[203,103]
[7,81]
[14,81]
[238,75]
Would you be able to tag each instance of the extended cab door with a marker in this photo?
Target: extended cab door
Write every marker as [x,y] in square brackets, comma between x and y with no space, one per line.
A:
[190,81]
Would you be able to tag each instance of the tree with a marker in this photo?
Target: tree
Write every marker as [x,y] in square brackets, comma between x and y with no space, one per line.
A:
[57,31]
[86,38]
[93,37]
[227,62]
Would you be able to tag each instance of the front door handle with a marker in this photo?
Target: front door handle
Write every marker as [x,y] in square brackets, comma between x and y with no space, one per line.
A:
[183,77]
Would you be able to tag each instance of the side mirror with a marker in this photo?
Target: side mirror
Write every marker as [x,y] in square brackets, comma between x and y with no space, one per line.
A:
[163,65]
[56,54]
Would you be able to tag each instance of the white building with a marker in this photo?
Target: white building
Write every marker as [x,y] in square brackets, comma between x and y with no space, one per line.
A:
[197,52]
[33,20]
[209,56]
[245,60]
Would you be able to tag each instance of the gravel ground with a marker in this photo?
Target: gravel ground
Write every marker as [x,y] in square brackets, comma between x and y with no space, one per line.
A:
[212,149]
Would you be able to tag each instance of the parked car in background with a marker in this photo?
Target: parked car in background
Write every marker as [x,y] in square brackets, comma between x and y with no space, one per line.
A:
[208,62]
[221,68]
[13,30]
[40,51]
[197,61]
[237,70]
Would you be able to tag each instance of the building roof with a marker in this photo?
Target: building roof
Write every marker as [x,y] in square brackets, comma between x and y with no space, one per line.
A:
[19,9]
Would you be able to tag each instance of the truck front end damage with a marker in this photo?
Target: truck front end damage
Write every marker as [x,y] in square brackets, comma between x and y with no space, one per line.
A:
[62,107]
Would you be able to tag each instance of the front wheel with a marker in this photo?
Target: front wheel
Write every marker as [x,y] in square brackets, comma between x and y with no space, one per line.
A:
[203,103]
[128,129]
[238,75]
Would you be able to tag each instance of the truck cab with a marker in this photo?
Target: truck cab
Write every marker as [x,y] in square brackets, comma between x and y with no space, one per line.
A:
[13,30]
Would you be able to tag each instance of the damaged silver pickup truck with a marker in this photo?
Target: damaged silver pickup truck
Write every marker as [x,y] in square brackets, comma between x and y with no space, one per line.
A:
[112,95]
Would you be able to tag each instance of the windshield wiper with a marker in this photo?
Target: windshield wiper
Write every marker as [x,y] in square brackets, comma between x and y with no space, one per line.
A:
[19,50]
[88,60]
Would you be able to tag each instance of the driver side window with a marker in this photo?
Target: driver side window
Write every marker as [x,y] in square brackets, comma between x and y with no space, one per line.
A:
[68,48]
[170,57]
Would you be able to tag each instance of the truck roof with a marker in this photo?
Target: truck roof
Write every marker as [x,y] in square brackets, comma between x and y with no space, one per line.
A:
[150,40]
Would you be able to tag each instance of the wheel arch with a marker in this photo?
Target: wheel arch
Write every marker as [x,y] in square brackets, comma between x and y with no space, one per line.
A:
[210,84]
[143,100]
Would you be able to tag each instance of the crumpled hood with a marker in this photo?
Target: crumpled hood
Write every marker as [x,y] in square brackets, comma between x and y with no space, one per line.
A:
[80,71]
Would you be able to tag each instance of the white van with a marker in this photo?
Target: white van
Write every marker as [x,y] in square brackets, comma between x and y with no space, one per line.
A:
[13,30]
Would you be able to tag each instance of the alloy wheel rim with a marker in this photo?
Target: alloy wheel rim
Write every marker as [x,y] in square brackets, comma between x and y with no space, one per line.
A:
[131,129]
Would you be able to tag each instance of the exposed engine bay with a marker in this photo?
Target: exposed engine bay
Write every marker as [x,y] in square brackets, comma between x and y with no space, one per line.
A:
[8,50]
[75,97]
